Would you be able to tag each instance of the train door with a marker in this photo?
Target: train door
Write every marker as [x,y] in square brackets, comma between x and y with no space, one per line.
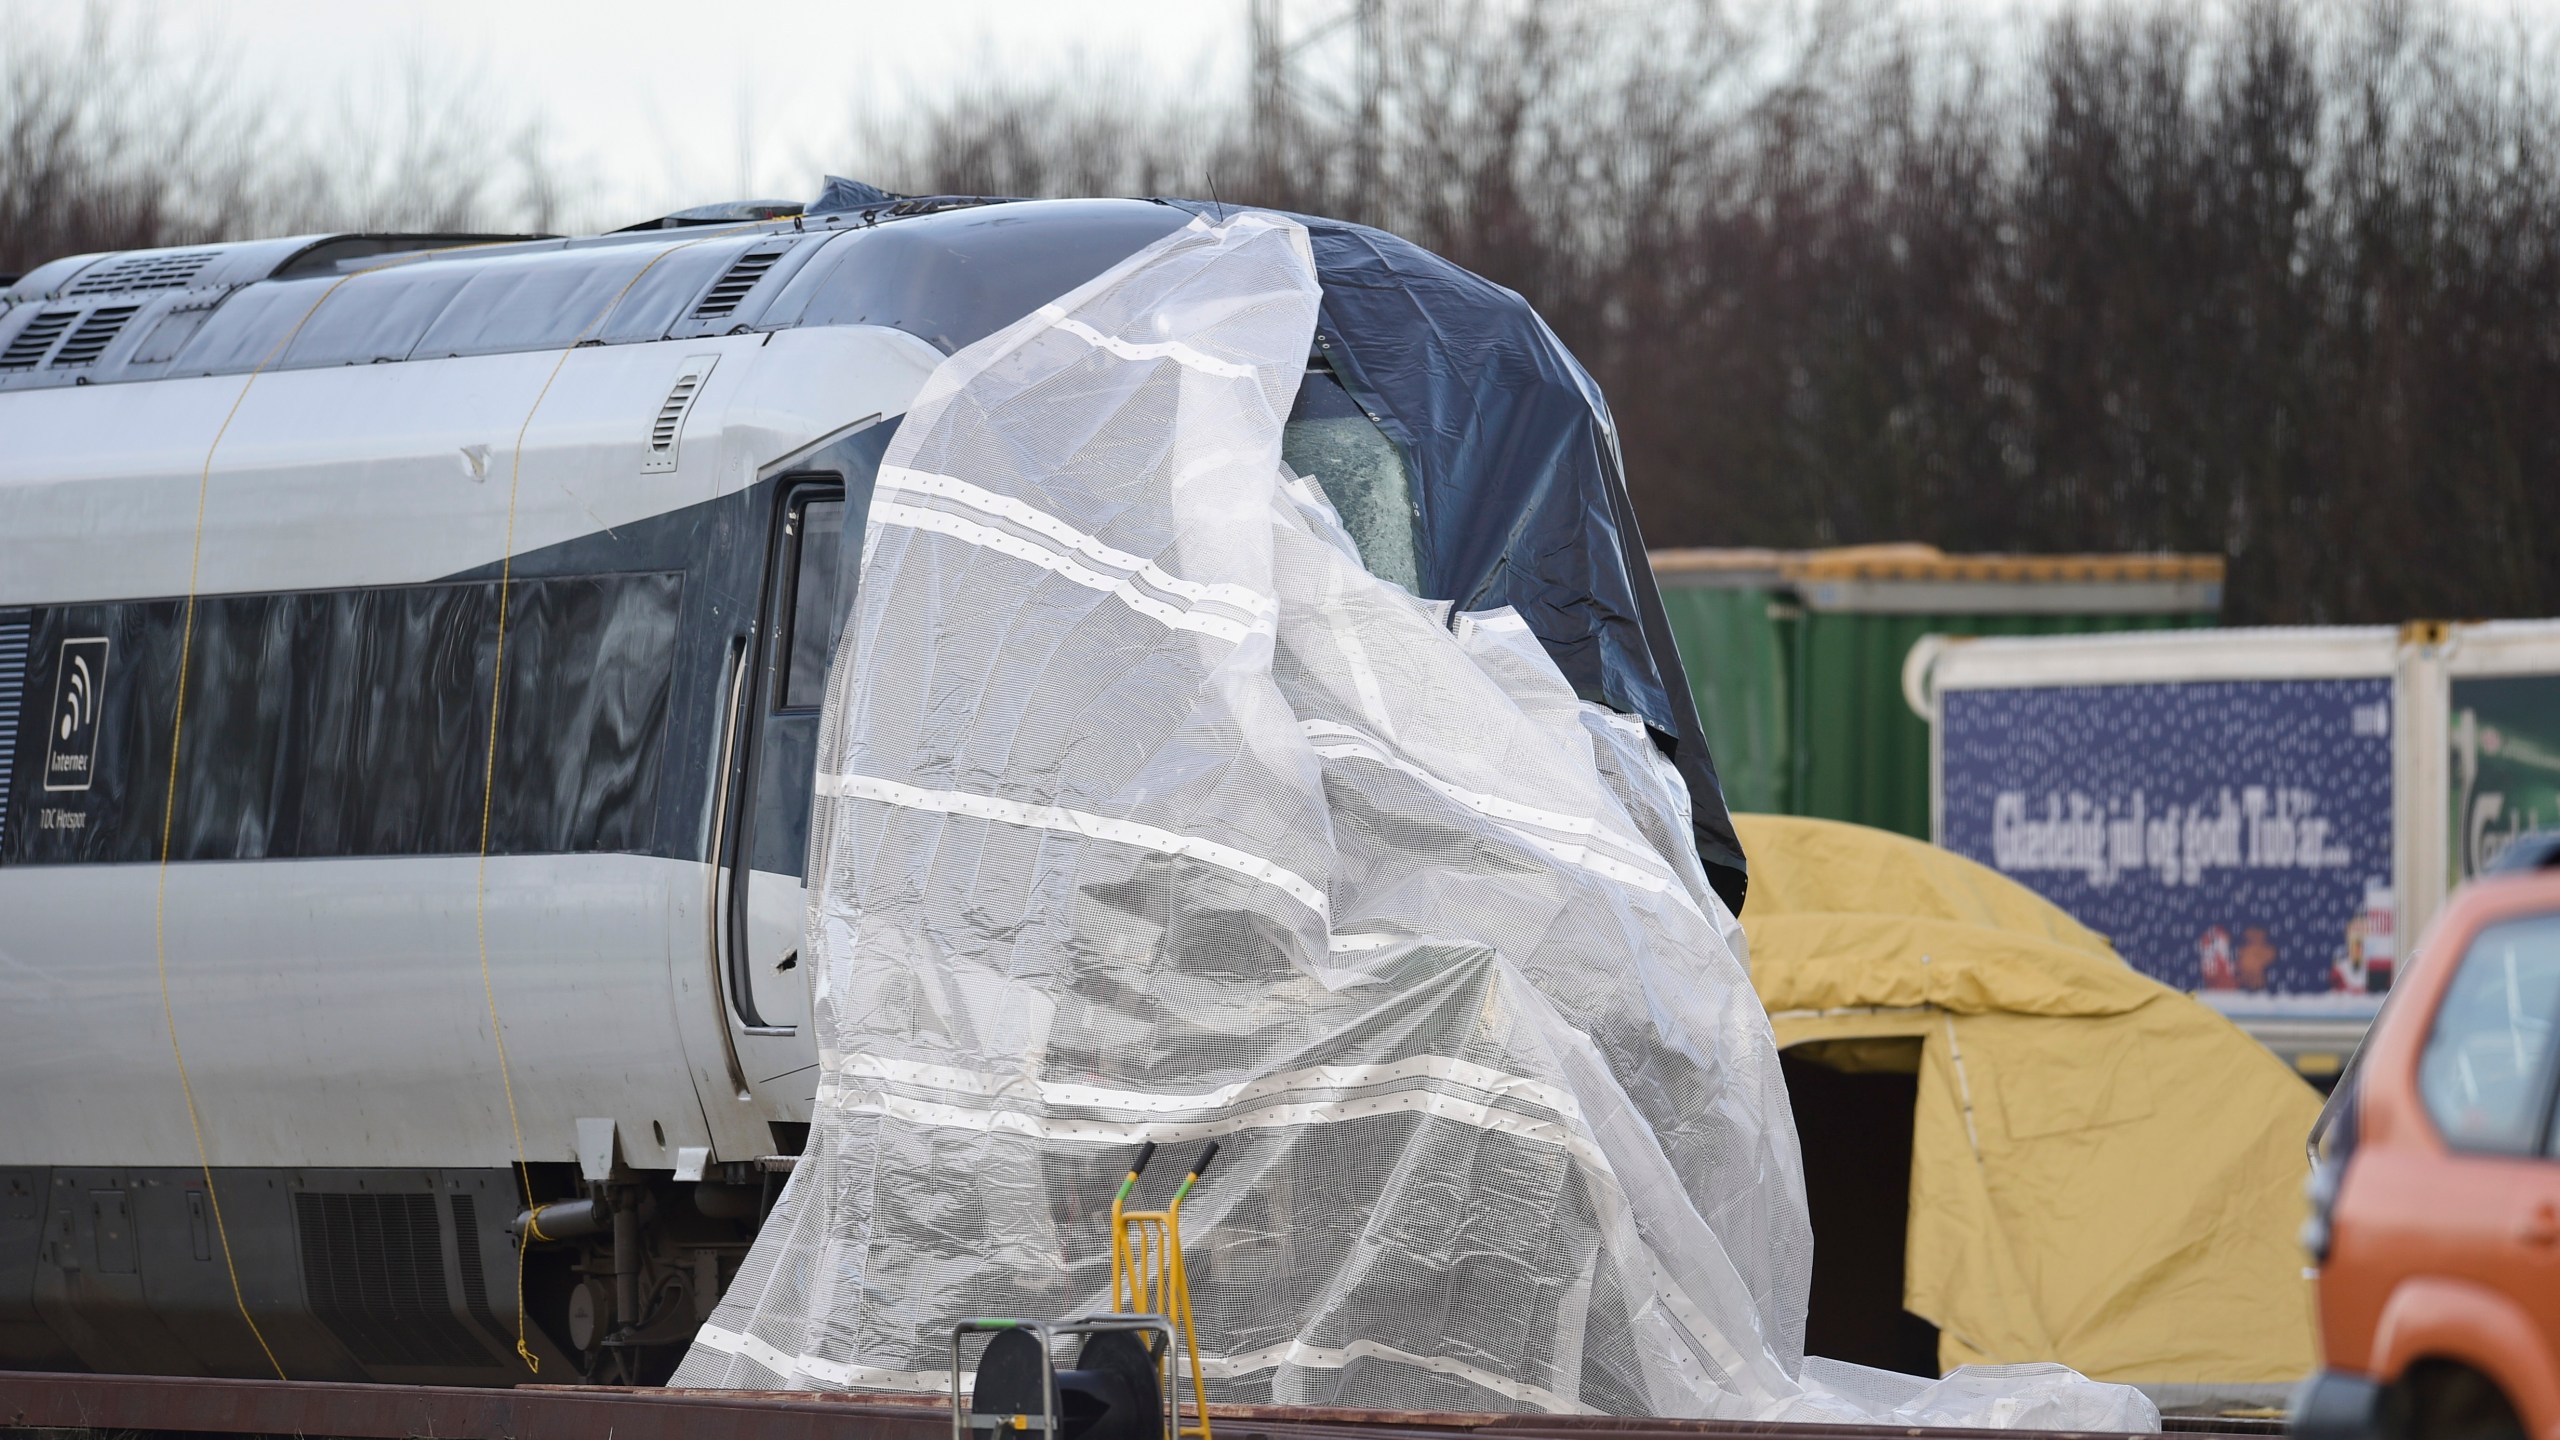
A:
[804,609]
[813,521]
[764,822]
[802,525]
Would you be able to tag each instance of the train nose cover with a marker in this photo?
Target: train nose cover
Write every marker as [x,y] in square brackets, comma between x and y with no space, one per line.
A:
[1145,812]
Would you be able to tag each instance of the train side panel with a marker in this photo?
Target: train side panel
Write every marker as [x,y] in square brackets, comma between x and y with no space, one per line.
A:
[326,898]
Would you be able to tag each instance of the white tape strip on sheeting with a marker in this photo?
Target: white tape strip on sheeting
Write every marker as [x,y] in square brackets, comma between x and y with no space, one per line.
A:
[778,1362]
[1075,822]
[1005,542]
[1336,741]
[1427,1103]
[1356,944]
[1355,656]
[1482,1079]
[1218,1367]
[1587,858]
[1173,350]
[1686,1318]
[1323,1357]
[1498,622]
[1005,507]
[830,1372]
[1346,741]
[1633,728]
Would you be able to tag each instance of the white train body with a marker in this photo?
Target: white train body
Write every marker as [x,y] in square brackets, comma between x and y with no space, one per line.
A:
[333,450]
[330,1007]
[413,644]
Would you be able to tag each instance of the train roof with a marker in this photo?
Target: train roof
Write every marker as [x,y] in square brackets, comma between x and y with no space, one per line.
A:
[1517,491]
[948,270]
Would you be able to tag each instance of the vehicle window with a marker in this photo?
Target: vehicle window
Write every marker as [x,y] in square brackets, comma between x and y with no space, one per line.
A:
[2485,1071]
[809,637]
[330,723]
[1331,442]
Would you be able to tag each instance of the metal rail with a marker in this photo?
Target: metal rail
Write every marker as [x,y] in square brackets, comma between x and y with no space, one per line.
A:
[126,1405]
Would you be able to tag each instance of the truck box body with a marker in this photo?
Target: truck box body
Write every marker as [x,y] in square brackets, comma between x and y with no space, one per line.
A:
[2263,817]
[1795,657]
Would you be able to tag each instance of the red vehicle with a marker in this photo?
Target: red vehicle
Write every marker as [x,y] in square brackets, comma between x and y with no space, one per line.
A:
[2436,1183]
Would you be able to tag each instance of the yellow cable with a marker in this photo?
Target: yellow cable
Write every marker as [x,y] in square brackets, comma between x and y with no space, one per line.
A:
[489,767]
[169,801]
[160,901]
[177,731]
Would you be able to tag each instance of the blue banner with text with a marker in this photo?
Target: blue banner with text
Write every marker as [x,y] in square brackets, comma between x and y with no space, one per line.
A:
[2225,835]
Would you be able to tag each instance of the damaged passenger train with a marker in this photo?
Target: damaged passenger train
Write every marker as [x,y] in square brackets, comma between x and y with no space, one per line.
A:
[411,652]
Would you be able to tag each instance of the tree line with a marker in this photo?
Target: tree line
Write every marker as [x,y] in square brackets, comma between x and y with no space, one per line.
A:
[110,139]
[2265,279]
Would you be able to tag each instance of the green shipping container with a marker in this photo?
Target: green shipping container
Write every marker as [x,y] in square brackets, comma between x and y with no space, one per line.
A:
[1795,657]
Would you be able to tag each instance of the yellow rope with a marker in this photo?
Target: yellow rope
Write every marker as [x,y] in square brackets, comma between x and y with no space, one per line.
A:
[160,901]
[177,731]
[489,766]
[169,801]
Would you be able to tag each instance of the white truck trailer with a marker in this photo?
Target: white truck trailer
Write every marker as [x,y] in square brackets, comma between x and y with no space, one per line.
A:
[2263,816]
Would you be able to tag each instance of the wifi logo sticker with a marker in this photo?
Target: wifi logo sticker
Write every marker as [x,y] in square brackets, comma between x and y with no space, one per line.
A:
[71,749]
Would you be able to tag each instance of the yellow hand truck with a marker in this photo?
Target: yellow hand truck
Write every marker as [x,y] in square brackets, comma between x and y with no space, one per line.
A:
[1147,1275]
[1126,1381]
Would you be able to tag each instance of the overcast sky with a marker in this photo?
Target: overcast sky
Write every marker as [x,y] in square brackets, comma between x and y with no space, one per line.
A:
[652,105]
[658,104]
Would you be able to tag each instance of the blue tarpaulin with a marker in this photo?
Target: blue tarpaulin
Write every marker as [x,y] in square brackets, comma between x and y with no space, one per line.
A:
[1520,494]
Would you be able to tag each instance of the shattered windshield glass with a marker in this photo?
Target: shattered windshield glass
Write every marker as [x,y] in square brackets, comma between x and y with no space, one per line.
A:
[1331,442]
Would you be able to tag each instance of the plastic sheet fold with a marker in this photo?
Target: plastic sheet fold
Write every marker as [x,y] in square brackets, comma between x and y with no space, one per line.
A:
[1146,813]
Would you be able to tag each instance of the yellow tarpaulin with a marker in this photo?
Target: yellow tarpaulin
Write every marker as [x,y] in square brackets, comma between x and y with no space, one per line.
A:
[2104,1172]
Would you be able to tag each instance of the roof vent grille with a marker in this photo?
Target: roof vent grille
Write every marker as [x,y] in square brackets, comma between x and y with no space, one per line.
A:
[37,337]
[662,435]
[668,427]
[724,295]
[91,339]
[154,270]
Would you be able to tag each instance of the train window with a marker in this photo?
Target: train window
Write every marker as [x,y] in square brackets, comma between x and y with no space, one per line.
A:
[356,722]
[2484,1073]
[815,529]
[1332,441]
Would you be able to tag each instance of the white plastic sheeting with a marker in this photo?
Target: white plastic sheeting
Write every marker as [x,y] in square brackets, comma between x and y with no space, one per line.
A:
[1145,812]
